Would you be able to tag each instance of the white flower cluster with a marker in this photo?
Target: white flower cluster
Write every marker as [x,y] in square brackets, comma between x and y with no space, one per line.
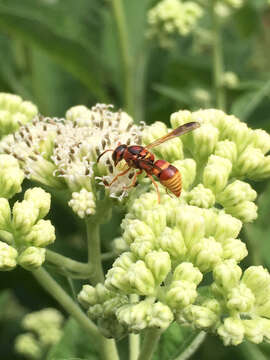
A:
[173,16]
[62,153]
[171,245]
[24,232]
[44,330]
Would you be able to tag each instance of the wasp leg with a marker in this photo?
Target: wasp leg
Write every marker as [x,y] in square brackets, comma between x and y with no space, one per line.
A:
[118,175]
[156,186]
[133,180]
[170,195]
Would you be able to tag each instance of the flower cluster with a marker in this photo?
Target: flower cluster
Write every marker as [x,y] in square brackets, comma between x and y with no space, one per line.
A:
[24,232]
[173,16]
[62,153]
[14,112]
[44,330]
[171,245]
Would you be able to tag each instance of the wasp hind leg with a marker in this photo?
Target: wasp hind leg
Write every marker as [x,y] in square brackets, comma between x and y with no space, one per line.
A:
[156,186]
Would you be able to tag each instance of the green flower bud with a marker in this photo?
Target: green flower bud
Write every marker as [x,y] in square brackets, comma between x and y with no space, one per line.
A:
[125,260]
[11,176]
[8,257]
[216,173]
[119,245]
[188,272]
[201,197]
[213,305]
[83,203]
[5,214]
[25,214]
[235,193]
[246,211]
[205,254]
[263,169]
[256,278]
[234,249]
[231,331]
[159,263]
[116,280]
[226,149]
[210,221]
[181,117]
[42,234]
[156,219]
[161,316]
[88,296]
[110,328]
[202,142]
[261,140]
[40,198]
[181,294]
[254,330]
[95,312]
[240,298]
[171,240]
[230,79]
[153,132]
[134,316]
[200,316]
[80,115]
[140,247]
[134,229]
[28,345]
[236,131]
[226,227]
[263,303]
[111,305]
[191,224]
[146,201]
[170,150]
[32,258]
[141,279]
[248,162]
[187,168]
[227,274]
[266,328]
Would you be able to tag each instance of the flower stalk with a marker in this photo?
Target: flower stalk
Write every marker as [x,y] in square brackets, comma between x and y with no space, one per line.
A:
[149,344]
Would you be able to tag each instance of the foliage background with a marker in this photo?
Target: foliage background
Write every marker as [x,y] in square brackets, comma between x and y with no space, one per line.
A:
[60,53]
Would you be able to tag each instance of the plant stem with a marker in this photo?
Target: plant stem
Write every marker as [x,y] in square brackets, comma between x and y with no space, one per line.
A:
[67,263]
[218,65]
[56,291]
[192,347]
[149,344]
[118,10]
[134,339]
[94,253]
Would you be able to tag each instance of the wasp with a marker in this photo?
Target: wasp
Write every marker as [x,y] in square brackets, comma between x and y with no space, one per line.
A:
[139,157]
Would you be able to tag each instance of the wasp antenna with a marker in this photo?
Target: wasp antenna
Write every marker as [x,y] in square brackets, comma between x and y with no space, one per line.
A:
[103,154]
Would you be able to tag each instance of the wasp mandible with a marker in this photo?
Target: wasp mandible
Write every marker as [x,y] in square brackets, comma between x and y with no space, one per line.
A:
[139,157]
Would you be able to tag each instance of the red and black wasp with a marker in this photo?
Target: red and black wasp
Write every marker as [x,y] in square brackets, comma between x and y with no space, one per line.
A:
[139,157]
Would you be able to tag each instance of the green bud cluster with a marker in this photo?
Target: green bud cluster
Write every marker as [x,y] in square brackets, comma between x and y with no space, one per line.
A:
[14,112]
[25,230]
[11,176]
[169,246]
[44,329]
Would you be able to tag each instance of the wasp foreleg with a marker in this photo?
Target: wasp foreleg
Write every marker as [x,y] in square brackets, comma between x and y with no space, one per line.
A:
[118,175]
[156,186]
[133,180]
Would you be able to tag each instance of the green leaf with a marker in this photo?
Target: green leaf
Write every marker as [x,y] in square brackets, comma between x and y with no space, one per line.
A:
[246,104]
[71,53]
[172,93]
[75,344]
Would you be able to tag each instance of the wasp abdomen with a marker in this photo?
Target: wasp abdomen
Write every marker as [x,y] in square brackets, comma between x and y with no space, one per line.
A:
[169,176]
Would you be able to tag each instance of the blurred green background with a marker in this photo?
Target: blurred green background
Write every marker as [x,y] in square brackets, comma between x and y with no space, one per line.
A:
[61,53]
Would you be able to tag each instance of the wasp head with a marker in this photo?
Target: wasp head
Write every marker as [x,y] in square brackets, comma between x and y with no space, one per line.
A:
[118,153]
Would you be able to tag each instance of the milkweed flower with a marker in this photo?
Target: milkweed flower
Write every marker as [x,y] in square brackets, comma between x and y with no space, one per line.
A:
[172,245]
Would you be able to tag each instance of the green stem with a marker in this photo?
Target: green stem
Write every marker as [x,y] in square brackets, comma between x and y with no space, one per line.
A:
[192,347]
[94,253]
[67,263]
[149,344]
[218,65]
[134,339]
[118,10]
[55,290]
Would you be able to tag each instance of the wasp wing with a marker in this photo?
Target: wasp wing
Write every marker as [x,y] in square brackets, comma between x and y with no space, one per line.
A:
[181,130]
